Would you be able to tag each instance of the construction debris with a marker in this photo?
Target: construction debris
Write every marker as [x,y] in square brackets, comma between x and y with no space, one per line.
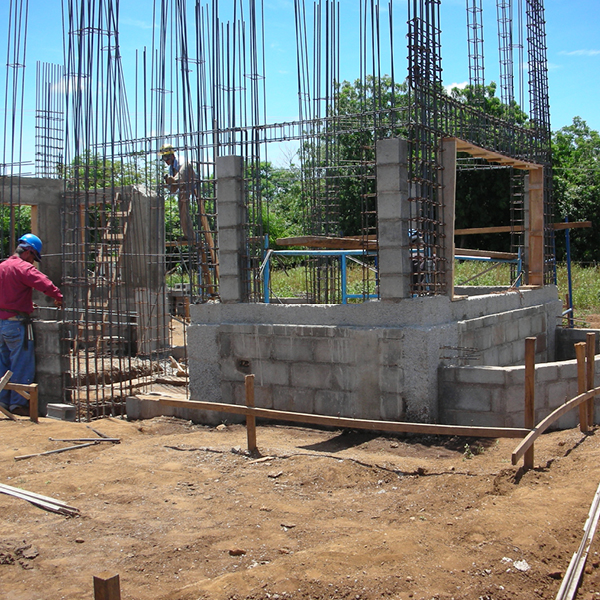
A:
[45,502]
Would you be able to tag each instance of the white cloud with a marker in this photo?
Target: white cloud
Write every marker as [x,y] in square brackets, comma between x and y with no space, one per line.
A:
[580,53]
[460,86]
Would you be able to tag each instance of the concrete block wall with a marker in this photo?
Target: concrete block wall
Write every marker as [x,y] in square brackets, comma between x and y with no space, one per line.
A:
[495,396]
[316,369]
[374,360]
[498,338]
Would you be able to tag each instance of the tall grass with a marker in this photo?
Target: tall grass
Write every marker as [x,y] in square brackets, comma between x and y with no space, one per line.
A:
[585,282]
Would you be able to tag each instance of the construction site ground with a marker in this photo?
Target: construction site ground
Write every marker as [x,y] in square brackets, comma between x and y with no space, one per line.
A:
[180,512]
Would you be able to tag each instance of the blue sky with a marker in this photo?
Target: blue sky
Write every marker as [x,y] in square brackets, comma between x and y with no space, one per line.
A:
[572,38]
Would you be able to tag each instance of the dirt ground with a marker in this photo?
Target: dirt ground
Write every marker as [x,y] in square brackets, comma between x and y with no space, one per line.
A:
[181,513]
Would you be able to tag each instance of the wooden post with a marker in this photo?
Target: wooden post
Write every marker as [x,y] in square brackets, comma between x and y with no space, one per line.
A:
[250,420]
[33,402]
[590,352]
[107,587]
[529,395]
[581,385]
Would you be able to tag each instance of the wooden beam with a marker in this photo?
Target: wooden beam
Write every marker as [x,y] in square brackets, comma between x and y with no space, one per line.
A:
[581,385]
[535,433]
[509,228]
[107,587]
[485,254]
[341,422]
[491,156]
[529,416]
[250,419]
[329,243]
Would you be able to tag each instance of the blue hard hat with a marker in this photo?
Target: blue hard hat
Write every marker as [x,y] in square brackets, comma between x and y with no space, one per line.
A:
[32,242]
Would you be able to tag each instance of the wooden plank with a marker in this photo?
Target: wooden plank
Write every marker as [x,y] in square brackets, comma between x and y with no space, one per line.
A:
[329,243]
[24,456]
[529,417]
[545,423]
[5,379]
[485,254]
[590,355]
[342,422]
[107,587]
[3,383]
[581,386]
[250,419]
[32,497]
[490,156]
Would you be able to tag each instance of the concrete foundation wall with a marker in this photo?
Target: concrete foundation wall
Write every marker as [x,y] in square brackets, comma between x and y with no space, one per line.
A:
[375,360]
[495,396]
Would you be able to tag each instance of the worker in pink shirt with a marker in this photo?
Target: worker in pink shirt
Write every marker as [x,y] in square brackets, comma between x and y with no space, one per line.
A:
[18,278]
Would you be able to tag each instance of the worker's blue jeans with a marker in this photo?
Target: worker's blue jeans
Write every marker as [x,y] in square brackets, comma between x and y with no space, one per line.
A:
[14,357]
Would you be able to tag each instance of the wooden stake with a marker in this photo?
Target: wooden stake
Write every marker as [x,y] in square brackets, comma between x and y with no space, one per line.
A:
[250,419]
[33,403]
[529,395]
[581,385]
[107,587]
[590,351]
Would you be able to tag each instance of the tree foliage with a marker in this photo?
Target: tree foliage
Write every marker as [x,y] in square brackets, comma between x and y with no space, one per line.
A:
[576,166]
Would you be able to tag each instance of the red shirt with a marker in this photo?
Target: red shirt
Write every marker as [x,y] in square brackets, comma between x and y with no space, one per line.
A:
[17,278]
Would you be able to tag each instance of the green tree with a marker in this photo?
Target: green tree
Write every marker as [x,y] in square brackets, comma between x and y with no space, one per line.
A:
[576,165]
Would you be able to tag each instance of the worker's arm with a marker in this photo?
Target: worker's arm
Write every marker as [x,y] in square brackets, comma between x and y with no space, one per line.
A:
[40,282]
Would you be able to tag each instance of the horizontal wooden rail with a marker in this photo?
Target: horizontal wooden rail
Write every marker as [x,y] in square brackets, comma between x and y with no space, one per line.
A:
[530,438]
[344,422]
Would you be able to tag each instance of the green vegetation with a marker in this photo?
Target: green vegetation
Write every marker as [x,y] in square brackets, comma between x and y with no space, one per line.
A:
[291,283]
[22,224]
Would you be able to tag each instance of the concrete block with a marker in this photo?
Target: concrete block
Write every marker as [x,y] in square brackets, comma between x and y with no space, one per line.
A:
[389,204]
[230,238]
[252,346]
[230,289]
[230,215]
[391,352]
[506,355]
[390,232]
[333,403]
[348,378]
[489,357]
[272,373]
[229,166]
[483,338]
[514,399]
[511,332]
[331,350]
[394,287]
[557,393]
[392,151]
[294,399]
[391,380]
[263,396]
[230,369]
[480,375]
[313,376]
[525,327]
[292,349]
[63,412]
[474,398]
[546,372]
[498,337]
[515,376]
[392,407]
[390,178]
[568,370]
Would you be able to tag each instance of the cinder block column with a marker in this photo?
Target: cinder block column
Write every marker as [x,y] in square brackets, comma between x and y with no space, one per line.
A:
[231,218]
[392,214]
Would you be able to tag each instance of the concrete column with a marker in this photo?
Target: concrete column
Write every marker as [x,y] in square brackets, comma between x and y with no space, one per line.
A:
[231,219]
[395,270]
[448,161]
[45,198]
